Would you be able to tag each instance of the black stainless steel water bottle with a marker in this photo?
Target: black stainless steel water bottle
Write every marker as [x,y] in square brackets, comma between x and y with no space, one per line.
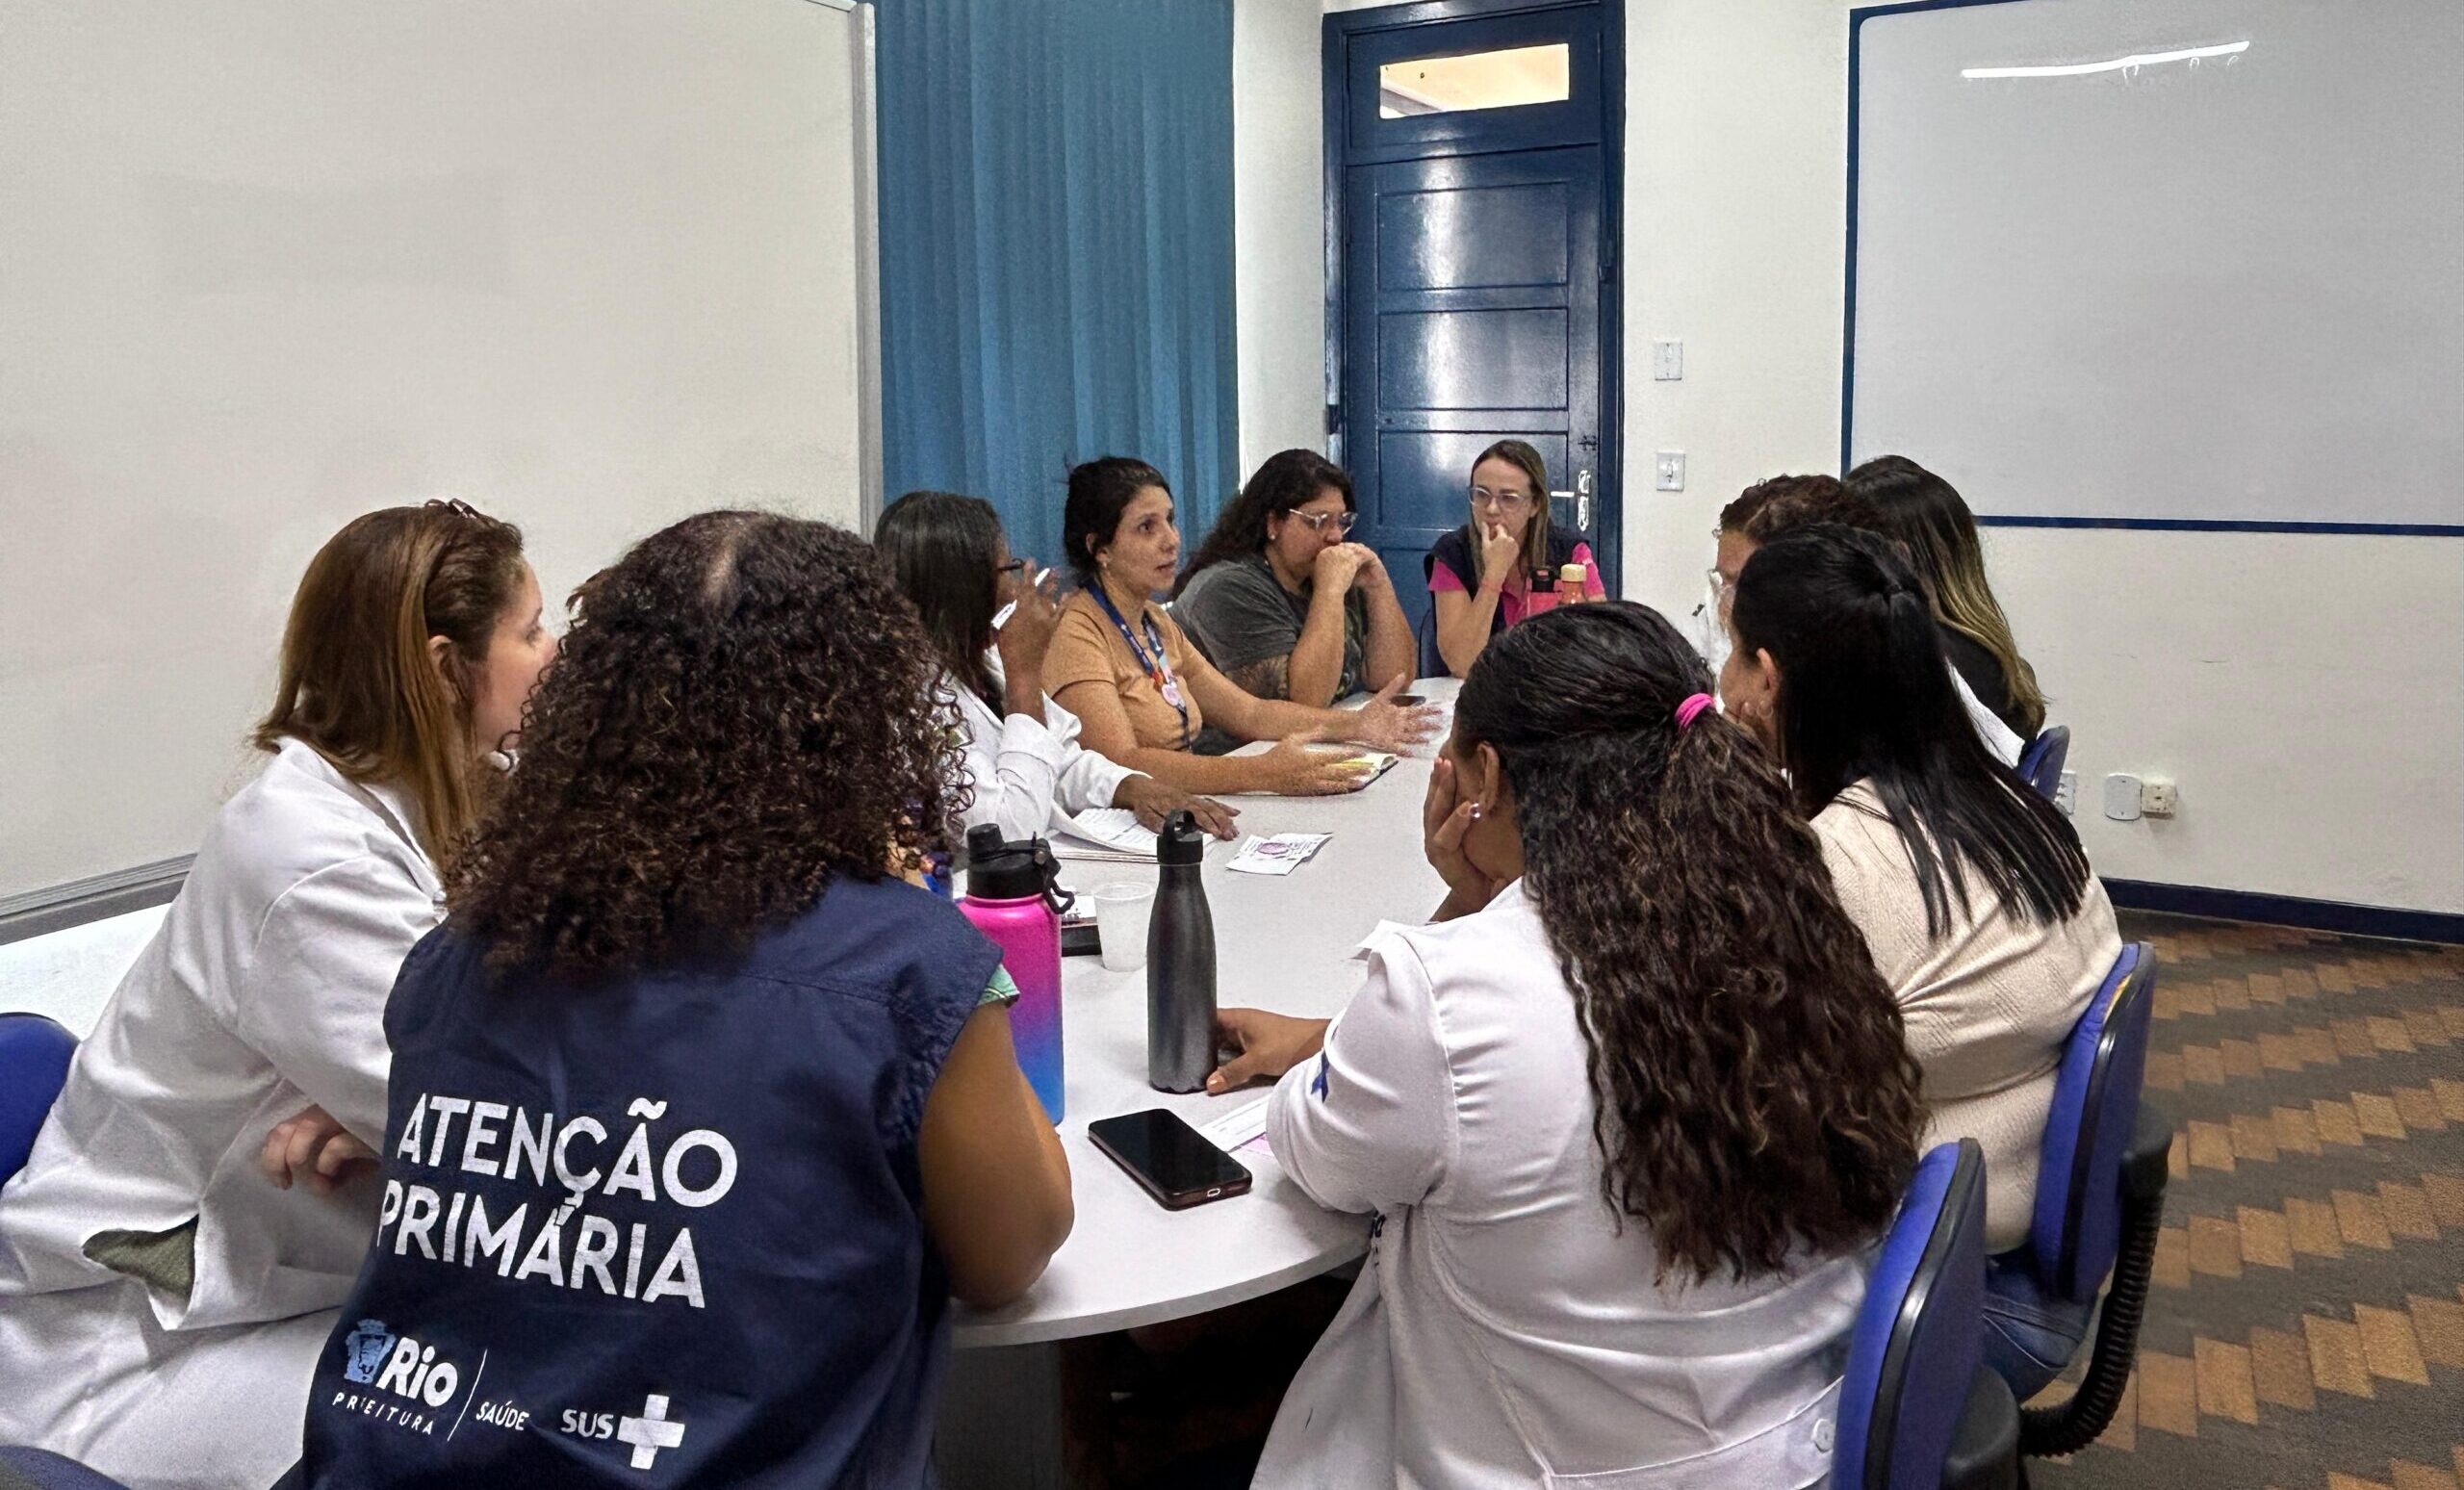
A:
[1180,963]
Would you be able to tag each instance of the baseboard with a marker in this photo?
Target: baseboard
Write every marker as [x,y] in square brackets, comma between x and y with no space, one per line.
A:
[37,913]
[2328,915]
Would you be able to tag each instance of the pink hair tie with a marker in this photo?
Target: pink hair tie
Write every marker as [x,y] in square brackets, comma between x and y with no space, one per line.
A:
[1693,706]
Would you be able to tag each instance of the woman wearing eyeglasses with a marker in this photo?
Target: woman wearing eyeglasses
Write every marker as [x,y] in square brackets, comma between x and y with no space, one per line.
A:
[1282,603]
[1480,574]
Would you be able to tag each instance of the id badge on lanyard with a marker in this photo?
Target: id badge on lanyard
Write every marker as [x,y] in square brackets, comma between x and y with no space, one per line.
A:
[1159,672]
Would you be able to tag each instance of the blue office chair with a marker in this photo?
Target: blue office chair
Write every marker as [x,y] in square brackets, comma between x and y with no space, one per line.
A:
[2042,763]
[34,1062]
[33,1469]
[1433,662]
[2100,1202]
[1917,1409]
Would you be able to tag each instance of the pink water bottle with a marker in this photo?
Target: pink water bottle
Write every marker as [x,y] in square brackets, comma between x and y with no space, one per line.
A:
[1013,897]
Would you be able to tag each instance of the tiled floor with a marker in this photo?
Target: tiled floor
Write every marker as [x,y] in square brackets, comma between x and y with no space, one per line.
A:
[2307,1330]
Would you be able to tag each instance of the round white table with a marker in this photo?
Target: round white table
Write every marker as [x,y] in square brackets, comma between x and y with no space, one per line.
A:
[1282,942]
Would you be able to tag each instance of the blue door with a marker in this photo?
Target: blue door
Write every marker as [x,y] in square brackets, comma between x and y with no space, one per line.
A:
[1475,287]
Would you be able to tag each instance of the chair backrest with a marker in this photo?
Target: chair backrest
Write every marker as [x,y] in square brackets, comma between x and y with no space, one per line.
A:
[2042,763]
[1919,1339]
[37,1470]
[1431,661]
[34,1062]
[2077,1227]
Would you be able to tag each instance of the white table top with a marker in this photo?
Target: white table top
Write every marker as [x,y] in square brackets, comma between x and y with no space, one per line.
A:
[1281,943]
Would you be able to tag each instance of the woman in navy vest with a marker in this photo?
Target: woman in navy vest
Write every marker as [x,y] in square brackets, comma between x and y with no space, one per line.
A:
[700,1110]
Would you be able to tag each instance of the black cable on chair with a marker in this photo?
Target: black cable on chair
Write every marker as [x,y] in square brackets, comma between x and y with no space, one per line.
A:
[2066,1428]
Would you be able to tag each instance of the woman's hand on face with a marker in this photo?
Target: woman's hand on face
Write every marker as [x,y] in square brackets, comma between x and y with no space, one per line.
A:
[1338,566]
[1382,724]
[1263,1044]
[315,1150]
[1023,640]
[1293,768]
[1501,550]
[1446,816]
[1152,801]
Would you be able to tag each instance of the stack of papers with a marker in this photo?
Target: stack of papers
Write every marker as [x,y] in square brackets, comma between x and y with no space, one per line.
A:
[1106,835]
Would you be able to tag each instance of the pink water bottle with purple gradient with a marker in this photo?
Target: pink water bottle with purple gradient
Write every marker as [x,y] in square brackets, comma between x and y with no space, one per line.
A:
[1013,897]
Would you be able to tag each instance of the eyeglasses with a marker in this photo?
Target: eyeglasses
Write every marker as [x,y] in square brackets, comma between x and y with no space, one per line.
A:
[1317,521]
[1502,502]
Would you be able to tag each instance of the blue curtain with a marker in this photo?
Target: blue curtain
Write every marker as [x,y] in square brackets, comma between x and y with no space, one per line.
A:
[1056,244]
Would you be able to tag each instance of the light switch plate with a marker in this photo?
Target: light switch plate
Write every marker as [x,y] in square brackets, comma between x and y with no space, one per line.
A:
[1668,361]
[1668,470]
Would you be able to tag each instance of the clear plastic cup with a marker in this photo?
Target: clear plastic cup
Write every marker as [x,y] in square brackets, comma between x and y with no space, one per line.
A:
[1121,923]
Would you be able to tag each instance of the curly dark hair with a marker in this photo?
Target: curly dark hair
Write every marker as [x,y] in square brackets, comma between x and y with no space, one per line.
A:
[1753,1092]
[1784,503]
[744,709]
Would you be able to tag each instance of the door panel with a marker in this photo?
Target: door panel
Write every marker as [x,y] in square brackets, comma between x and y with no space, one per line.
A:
[1454,339]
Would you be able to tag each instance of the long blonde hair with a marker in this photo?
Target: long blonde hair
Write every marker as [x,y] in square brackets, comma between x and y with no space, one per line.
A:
[1928,515]
[358,684]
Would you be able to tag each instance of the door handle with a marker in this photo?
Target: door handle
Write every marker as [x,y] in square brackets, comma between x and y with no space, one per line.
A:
[1580,495]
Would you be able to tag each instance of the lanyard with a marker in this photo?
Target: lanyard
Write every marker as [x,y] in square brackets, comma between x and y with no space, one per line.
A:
[1158,671]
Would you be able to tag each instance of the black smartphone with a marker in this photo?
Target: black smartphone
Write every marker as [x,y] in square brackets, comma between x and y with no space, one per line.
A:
[1406,699]
[1171,1160]
[1080,939]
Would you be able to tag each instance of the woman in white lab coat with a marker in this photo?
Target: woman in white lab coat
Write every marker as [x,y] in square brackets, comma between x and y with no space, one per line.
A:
[161,1302]
[1631,1113]
[990,620]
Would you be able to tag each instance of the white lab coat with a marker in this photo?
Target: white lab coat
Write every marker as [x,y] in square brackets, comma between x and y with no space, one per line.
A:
[263,991]
[1030,775]
[1503,1331]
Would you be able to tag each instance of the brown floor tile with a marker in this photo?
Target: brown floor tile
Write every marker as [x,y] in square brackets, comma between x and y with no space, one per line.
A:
[2280,1367]
[2231,994]
[2301,983]
[2390,1345]
[2450,1098]
[2334,979]
[2407,1209]
[2168,1393]
[2195,998]
[2426,1027]
[2361,1221]
[2204,1064]
[2408,1475]
[2446,1195]
[2280,1052]
[2452,1016]
[2313,1227]
[2266,1241]
[2177,1159]
[2389,1035]
[2336,1361]
[2165,1071]
[2378,1115]
[2317,1044]
[2336,1122]
[2241,1060]
[2171,1266]
[2439,1324]
[2212,1146]
[2253,1137]
[2296,1130]
[2215,1247]
[2225,1388]
[2354,1482]
[2352,1039]
[2417,1108]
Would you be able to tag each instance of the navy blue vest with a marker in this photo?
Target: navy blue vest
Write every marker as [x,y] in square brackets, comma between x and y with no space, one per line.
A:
[662,1230]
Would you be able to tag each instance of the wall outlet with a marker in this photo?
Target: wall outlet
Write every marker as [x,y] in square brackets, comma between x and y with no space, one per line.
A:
[2121,798]
[1668,470]
[2158,797]
[2065,795]
[1668,361]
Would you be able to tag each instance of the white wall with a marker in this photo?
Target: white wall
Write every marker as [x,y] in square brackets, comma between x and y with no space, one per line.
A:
[1278,187]
[2308,693]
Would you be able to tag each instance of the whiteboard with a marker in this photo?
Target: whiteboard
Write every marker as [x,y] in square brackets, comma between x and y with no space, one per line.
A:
[2221,289]
[268,264]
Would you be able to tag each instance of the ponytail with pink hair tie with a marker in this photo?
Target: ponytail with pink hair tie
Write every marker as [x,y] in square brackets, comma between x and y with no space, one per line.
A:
[1694,704]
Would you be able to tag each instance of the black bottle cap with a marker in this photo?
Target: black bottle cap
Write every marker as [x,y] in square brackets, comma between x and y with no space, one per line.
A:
[1182,841]
[996,870]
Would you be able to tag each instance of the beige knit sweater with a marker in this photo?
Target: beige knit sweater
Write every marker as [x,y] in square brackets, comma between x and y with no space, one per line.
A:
[1987,1004]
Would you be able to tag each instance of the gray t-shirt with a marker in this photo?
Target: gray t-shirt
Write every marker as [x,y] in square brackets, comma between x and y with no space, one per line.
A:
[1241,616]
